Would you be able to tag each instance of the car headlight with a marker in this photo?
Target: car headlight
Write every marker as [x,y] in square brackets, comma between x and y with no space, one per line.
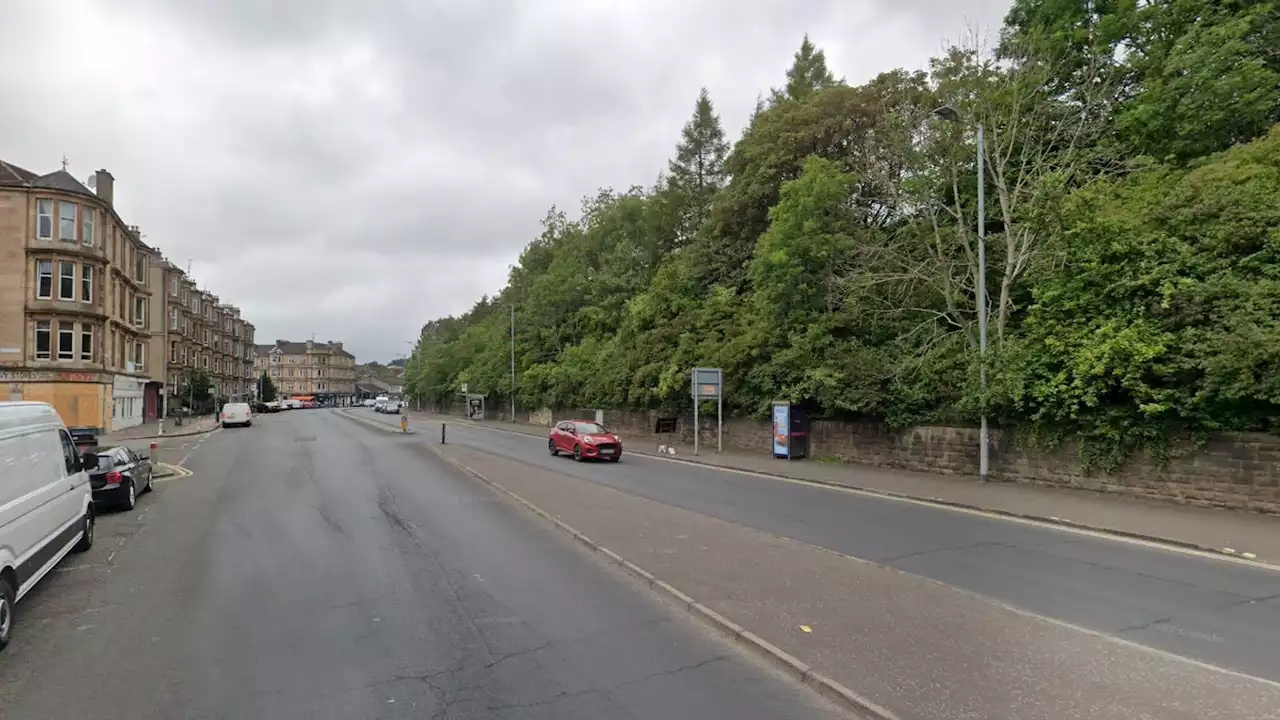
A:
[589,440]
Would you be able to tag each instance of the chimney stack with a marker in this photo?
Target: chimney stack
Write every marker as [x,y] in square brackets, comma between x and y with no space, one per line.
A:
[105,186]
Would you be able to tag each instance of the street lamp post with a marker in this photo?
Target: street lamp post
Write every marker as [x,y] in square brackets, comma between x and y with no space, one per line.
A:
[513,363]
[950,114]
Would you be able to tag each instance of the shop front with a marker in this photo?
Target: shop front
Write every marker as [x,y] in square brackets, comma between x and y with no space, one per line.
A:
[82,399]
[127,401]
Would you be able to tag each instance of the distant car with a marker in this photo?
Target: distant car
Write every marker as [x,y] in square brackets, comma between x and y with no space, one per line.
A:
[583,440]
[120,477]
[259,407]
[236,414]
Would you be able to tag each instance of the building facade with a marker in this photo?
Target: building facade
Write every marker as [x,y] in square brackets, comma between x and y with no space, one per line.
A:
[91,317]
[74,294]
[199,333]
[299,369]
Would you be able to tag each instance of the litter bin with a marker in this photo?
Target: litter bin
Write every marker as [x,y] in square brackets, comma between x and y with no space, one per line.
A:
[790,431]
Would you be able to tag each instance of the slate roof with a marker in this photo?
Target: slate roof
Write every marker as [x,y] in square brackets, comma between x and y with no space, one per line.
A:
[62,180]
[298,348]
[11,174]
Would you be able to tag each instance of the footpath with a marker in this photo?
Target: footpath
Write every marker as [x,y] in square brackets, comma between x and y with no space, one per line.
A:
[1247,535]
[152,429]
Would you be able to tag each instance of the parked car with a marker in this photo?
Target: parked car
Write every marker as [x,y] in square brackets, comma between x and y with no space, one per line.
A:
[259,407]
[584,439]
[46,503]
[120,477]
[236,414]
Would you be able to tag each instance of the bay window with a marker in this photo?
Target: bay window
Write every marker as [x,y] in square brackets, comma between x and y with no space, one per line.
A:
[66,221]
[43,339]
[44,279]
[86,226]
[66,280]
[86,342]
[66,340]
[44,219]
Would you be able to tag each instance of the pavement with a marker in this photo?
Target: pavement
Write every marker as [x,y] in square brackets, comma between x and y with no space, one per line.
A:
[307,567]
[1214,609]
[1243,534]
[152,429]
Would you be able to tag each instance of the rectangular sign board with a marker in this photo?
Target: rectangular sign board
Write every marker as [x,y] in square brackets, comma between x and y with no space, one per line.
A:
[706,382]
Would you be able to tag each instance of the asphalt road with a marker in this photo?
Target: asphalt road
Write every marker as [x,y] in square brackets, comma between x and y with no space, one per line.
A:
[1216,611]
[311,567]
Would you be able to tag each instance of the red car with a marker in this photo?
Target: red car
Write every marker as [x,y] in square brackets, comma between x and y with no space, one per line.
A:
[584,439]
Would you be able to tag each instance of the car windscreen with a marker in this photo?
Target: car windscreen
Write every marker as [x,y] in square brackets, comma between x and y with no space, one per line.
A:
[589,428]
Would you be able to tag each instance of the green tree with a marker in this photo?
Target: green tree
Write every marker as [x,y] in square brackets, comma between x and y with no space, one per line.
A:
[808,72]
[266,389]
[696,173]
[199,386]
[1164,316]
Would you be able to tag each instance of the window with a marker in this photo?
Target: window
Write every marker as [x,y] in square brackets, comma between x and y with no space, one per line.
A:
[66,340]
[173,351]
[86,342]
[206,336]
[184,354]
[139,311]
[140,268]
[86,283]
[173,318]
[206,362]
[186,328]
[66,221]
[44,279]
[69,454]
[43,339]
[173,285]
[44,219]
[86,226]
[66,280]
[139,356]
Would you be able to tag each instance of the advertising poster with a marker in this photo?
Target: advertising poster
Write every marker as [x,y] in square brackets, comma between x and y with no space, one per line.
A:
[781,428]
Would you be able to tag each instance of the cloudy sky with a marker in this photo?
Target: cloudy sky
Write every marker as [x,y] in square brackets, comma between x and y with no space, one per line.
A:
[354,169]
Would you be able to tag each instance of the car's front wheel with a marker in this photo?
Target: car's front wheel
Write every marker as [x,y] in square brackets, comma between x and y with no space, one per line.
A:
[551,447]
[577,453]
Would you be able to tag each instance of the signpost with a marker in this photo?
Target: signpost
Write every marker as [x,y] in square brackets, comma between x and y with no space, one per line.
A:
[708,384]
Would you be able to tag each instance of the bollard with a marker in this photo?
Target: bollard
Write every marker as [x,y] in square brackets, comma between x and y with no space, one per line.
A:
[404,423]
[155,451]
[442,433]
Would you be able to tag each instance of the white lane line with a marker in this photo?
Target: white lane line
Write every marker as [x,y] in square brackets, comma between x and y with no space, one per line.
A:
[1227,555]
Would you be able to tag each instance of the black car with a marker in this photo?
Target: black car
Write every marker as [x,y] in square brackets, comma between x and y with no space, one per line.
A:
[120,477]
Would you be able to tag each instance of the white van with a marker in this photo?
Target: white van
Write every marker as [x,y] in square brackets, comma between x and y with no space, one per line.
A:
[236,414]
[46,503]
